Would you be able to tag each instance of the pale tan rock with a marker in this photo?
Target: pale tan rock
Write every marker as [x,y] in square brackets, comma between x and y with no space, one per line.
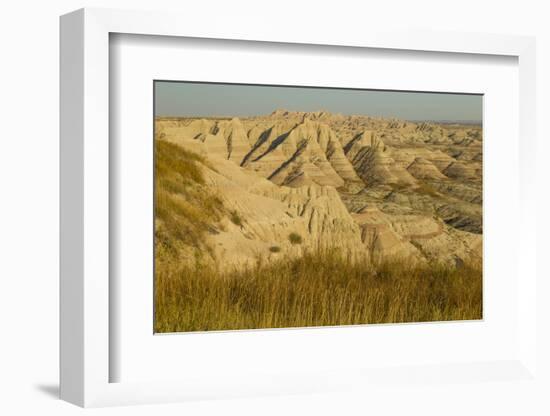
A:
[422,168]
[235,138]
[461,170]
[416,190]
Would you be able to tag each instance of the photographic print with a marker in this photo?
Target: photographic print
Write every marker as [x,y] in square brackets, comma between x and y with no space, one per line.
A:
[284,206]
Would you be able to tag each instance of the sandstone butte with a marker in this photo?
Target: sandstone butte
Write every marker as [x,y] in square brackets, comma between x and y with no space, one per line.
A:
[365,186]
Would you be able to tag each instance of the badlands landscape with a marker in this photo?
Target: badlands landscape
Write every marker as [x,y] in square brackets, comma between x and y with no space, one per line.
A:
[315,218]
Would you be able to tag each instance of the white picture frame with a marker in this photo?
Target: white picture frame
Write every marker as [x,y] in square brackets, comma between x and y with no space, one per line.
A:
[85,217]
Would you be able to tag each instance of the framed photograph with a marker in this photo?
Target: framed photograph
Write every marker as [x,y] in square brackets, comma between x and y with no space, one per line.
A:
[282,213]
[354,207]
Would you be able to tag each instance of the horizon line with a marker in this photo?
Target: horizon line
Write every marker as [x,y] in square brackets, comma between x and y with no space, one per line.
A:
[412,120]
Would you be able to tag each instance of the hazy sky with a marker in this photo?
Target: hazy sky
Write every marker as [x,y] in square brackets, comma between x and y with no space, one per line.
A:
[202,99]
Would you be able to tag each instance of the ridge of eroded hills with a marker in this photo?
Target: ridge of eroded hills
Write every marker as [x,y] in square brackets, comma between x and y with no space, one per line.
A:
[368,186]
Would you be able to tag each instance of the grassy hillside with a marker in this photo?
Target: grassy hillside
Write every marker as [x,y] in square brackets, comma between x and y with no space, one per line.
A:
[184,209]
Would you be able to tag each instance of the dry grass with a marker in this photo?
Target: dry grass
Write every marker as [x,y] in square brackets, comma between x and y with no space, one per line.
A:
[316,290]
[184,210]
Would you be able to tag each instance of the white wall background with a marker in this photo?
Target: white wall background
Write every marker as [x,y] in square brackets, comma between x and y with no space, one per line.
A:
[29,57]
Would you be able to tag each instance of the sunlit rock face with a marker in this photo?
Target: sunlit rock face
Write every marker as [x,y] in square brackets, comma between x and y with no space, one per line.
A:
[367,186]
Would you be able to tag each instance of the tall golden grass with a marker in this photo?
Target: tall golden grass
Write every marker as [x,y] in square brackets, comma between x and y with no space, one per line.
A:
[318,289]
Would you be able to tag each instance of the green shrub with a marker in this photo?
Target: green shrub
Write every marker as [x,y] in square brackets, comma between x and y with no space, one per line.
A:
[295,238]
[236,218]
[275,249]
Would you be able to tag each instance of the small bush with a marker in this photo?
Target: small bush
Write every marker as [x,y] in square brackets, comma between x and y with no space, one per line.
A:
[295,238]
[236,218]
[275,249]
